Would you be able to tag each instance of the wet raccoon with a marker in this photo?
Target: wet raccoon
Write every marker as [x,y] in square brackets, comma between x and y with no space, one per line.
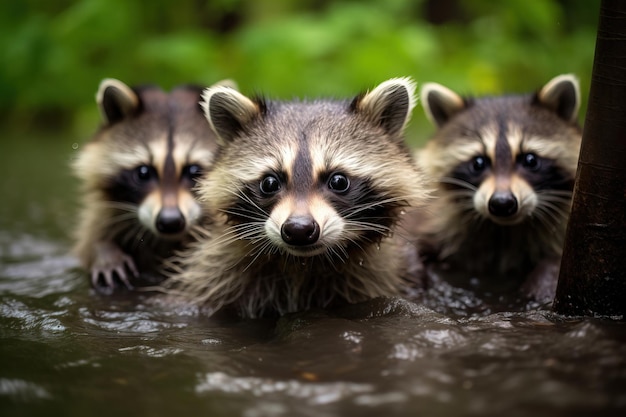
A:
[505,169]
[306,196]
[137,175]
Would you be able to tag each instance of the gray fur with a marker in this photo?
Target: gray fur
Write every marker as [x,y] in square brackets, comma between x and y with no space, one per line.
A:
[140,126]
[241,267]
[456,230]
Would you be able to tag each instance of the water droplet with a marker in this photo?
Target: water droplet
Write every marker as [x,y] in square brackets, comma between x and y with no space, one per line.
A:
[303,262]
[361,262]
[402,212]
[74,145]
[378,246]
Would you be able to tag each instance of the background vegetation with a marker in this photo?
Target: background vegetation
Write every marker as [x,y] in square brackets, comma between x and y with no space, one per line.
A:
[57,51]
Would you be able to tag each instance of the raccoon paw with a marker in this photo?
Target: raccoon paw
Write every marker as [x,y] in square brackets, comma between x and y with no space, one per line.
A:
[541,284]
[112,266]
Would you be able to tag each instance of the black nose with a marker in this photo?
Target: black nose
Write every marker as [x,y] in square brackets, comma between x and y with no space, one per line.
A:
[300,231]
[503,204]
[170,220]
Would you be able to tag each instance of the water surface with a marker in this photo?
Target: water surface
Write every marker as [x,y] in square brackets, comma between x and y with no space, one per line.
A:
[66,351]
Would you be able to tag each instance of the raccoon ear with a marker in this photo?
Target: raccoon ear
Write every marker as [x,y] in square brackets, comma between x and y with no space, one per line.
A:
[561,95]
[116,100]
[228,111]
[440,103]
[389,105]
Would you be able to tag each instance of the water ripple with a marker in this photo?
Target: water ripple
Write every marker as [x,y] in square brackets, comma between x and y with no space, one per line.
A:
[21,390]
[311,392]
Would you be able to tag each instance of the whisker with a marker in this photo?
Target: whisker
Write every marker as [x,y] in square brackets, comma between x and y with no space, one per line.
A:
[556,216]
[120,228]
[557,201]
[246,214]
[259,251]
[354,210]
[564,193]
[459,194]
[542,218]
[560,209]
[459,182]
[118,205]
[338,252]
[240,194]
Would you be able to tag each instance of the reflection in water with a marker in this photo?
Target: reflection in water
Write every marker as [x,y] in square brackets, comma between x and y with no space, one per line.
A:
[67,351]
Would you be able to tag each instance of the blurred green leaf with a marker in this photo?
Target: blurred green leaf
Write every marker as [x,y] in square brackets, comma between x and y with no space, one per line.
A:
[55,52]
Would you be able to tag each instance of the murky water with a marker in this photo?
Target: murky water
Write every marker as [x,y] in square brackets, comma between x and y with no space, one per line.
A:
[66,351]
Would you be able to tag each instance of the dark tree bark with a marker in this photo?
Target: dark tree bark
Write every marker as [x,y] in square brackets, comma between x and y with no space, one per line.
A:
[592,280]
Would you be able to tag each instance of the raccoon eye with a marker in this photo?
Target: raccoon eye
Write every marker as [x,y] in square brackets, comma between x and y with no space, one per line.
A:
[270,185]
[339,183]
[145,173]
[530,161]
[192,171]
[478,164]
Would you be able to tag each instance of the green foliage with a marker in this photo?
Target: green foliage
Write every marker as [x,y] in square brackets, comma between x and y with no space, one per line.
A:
[57,51]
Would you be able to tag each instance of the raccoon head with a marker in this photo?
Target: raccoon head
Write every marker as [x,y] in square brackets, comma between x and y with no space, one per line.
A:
[311,178]
[147,157]
[506,158]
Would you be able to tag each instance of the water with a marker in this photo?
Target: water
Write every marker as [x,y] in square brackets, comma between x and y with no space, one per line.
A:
[66,351]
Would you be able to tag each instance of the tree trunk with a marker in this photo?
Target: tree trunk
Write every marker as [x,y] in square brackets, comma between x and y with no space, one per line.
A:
[592,280]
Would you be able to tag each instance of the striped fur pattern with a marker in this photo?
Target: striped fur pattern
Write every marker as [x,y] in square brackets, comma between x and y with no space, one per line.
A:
[504,170]
[137,176]
[306,196]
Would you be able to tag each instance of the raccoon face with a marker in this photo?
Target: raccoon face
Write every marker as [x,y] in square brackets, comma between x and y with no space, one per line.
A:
[308,221]
[507,159]
[333,207]
[311,178]
[164,199]
[147,158]
[507,183]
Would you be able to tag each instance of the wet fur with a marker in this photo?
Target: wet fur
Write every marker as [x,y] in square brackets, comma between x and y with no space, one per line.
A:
[111,242]
[245,268]
[457,232]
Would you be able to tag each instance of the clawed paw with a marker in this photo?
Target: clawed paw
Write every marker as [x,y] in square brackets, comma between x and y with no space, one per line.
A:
[111,268]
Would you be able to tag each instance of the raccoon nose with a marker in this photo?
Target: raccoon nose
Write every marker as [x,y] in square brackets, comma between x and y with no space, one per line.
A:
[300,231]
[170,220]
[502,204]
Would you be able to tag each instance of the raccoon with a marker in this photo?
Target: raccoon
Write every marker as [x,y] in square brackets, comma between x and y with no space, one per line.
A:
[137,175]
[504,169]
[305,196]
